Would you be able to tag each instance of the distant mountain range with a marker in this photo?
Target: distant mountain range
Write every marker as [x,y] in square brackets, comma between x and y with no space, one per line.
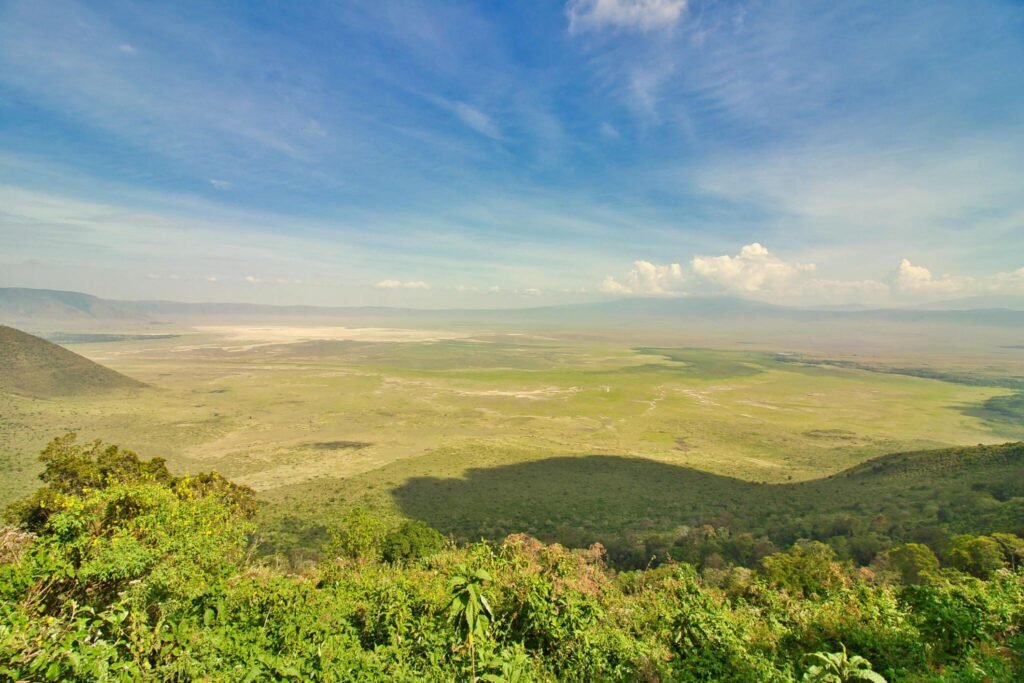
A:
[38,307]
[34,367]
[990,301]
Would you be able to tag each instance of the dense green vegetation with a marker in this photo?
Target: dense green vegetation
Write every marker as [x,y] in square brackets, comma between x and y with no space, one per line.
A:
[646,512]
[117,570]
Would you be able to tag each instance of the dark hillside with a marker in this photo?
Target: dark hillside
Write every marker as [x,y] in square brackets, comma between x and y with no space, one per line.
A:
[30,366]
[656,508]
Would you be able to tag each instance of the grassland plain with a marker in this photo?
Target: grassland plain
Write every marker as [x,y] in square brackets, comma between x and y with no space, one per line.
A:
[317,420]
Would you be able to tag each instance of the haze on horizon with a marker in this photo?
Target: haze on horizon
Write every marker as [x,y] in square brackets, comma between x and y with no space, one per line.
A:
[457,154]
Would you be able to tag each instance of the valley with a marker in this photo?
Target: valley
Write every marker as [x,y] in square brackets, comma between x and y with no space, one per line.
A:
[318,419]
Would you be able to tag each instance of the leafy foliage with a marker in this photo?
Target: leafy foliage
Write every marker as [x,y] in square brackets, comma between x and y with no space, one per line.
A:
[141,577]
[412,541]
[71,470]
[839,667]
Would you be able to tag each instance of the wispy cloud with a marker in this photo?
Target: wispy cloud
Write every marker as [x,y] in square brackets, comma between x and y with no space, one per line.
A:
[481,143]
[472,117]
[398,284]
[643,15]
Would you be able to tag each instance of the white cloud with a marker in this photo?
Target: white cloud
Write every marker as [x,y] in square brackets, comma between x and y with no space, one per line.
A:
[211,278]
[532,292]
[127,49]
[754,269]
[610,131]
[398,284]
[477,120]
[911,279]
[252,279]
[919,282]
[221,184]
[647,278]
[758,273]
[1012,282]
[642,15]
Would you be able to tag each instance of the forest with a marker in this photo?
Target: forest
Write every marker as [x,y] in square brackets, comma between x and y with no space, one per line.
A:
[117,570]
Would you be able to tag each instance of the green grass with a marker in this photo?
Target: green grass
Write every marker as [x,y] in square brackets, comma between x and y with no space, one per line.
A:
[316,426]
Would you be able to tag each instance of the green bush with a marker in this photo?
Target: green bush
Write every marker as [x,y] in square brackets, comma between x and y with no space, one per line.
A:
[411,541]
[140,577]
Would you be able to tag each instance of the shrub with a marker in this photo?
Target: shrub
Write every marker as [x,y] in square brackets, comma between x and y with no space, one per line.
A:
[411,541]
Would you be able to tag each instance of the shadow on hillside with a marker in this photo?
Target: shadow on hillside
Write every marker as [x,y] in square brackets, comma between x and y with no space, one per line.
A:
[338,445]
[1004,411]
[577,500]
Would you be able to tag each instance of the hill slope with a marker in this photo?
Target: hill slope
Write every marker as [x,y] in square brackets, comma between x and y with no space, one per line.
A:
[19,303]
[639,507]
[30,366]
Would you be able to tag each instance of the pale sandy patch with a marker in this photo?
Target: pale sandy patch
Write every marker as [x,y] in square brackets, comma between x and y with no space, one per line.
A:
[760,404]
[700,396]
[263,336]
[533,395]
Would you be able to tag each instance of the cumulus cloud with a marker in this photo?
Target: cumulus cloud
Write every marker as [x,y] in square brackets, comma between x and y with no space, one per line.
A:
[1007,282]
[221,184]
[754,269]
[640,15]
[398,284]
[251,279]
[127,49]
[911,279]
[918,281]
[757,272]
[647,278]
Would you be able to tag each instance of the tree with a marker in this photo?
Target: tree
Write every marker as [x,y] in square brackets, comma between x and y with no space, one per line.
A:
[979,556]
[1013,549]
[72,470]
[806,568]
[912,561]
[411,541]
[360,535]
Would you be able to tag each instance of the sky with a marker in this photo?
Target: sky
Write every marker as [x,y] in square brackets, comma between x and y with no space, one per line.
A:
[495,154]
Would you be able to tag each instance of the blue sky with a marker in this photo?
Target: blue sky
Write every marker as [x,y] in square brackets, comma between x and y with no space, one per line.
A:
[510,154]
